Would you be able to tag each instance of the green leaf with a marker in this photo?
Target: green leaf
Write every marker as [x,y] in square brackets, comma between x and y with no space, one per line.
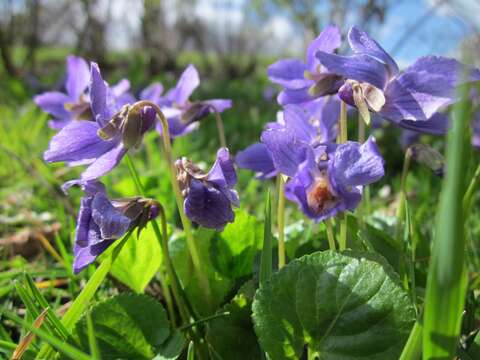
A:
[127,326]
[376,240]
[232,251]
[232,337]
[172,347]
[138,261]
[342,306]
[219,284]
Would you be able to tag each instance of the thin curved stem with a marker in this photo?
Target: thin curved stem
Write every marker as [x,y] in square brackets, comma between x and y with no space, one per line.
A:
[220,128]
[187,227]
[366,194]
[467,198]
[165,288]
[330,235]
[401,215]
[342,138]
[281,221]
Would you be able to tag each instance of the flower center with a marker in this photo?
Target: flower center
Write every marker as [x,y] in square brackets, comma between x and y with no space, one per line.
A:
[319,196]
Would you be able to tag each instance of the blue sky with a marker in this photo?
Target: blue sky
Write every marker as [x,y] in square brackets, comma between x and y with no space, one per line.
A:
[440,33]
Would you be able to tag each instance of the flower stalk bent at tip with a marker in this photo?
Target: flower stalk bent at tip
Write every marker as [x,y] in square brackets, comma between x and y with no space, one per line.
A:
[187,227]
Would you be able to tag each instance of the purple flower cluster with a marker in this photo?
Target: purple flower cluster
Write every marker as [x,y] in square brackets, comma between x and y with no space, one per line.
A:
[324,177]
[98,124]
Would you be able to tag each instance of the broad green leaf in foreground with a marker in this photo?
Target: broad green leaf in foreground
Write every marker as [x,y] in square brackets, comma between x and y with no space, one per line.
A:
[138,261]
[346,305]
[232,336]
[127,326]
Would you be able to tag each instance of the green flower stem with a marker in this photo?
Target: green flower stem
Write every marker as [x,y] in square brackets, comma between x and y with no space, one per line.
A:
[366,194]
[204,320]
[342,124]
[168,299]
[467,198]
[165,288]
[330,235]
[342,138]
[187,227]
[401,215]
[281,220]
[220,128]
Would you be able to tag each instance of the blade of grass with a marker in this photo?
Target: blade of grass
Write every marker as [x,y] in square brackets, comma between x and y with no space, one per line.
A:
[29,337]
[413,347]
[82,300]
[58,344]
[191,351]
[92,341]
[447,281]
[266,259]
[52,318]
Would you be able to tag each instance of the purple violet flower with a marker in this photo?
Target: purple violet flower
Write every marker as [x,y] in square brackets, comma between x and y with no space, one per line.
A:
[331,178]
[101,221]
[409,99]
[209,196]
[476,130]
[75,103]
[304,81]
[183,115]
[72,105]
[283,143]
[80,143]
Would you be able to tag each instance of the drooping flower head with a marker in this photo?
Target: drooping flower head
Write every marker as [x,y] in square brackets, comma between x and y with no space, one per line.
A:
[409,99]
[101,221]
[331,178]
[209,196]
[103,142]
[74,104]
[283,143]
[305,81]
[182,114]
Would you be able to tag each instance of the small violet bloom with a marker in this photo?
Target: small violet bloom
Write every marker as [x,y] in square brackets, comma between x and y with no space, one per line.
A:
[75,103]
[330,180]
[304,81]
[72,105]
[209,196]
[476,130]
[101,143]
[183,115]
[409,99]
[101,221]
[283,143]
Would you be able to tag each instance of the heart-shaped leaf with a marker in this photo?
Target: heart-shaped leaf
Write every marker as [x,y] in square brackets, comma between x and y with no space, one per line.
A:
[138,261]
[232,336]
[126,326]
[233,251]
[346,305]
